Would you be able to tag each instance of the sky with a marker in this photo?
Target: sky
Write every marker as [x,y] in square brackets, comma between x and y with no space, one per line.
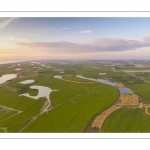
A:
[74,38]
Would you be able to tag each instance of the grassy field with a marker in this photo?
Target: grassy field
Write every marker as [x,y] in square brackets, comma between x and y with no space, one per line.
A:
[27,73]
[33,110]
[142,90]
[73,105]
[12,100]
[17,127]
[143,75]
[1,131]
[6,114]
[74,115]
[128,120]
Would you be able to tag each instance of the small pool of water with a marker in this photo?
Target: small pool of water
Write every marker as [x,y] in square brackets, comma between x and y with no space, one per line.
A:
[102,73]
[125,91]
[58,77]
[27,82]
[7,77]
[18,69]
[115,70]
[42,92]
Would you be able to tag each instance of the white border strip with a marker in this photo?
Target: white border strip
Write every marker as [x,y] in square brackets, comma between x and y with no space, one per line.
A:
[75,135]
[74,14]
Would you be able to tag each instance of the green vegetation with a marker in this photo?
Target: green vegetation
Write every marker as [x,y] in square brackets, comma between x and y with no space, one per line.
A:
[33,110]
[1,131]
[127,120]
[143,75]
[73,105]
[4,71]
[27,73]
[7,114]
[143,90]
[13,100]
[17,127]
[74,115]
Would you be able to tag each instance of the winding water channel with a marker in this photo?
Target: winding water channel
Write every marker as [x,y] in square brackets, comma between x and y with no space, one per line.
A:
[121,90]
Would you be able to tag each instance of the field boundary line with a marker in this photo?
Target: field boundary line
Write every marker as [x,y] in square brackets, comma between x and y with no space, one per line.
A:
[11,108]
[137,77]
[10,116]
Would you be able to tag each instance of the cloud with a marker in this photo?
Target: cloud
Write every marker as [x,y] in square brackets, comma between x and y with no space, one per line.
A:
[7,51]
[86,31]
[5,21]
[92,46]
[62,29]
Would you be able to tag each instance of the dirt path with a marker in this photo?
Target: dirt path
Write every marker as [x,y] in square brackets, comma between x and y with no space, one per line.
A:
[10,108]
[46,104]
[99,120]
[145,106]
[79,82]
[64,102]
[33,118]
[4,84]
[19,122]
[139,106]
[10,116]
[125,100]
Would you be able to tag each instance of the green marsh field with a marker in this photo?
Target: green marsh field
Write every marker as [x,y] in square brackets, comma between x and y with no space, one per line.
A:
[73,102]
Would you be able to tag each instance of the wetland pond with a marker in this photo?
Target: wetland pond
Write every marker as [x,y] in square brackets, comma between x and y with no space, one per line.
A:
[58,76]
[27,82]
[42,92]
[6,77]
[18,69]
[121,90]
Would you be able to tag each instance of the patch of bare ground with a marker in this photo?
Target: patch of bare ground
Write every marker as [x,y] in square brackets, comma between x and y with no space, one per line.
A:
[72,101]
[139,106]
[139,65]
[12,89]
[129,99]
[67,75]
[120,85]
[3,84]
[145,106]
[6,109]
